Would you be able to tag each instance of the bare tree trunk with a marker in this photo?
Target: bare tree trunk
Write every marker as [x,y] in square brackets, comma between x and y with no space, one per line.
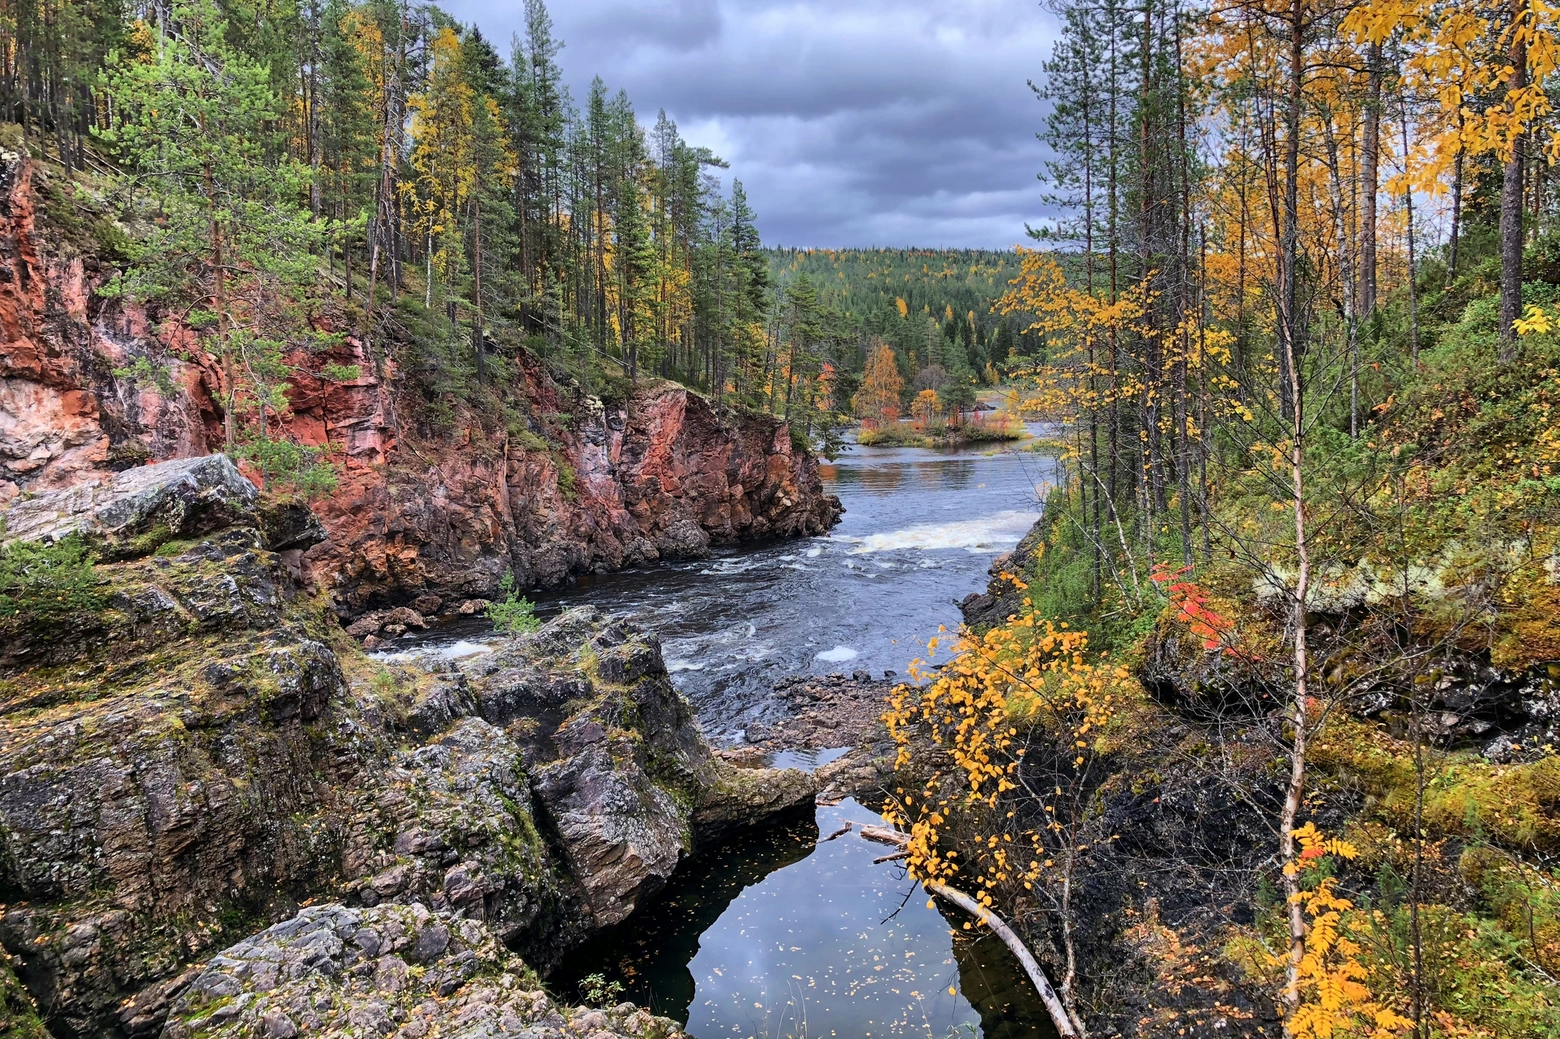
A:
[1457,193]
[1365,304]
[476,266]
[1053,1005]
[1408,203]
[219,301]
[1288,335]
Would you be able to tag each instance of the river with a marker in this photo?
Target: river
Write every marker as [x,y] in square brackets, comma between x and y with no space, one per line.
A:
[776,934]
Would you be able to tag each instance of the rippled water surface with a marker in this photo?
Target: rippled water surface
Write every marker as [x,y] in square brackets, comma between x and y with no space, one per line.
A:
[777,935]
[920,529]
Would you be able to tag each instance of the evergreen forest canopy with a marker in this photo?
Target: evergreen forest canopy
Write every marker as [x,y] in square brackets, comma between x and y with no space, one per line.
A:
[936,309]
[291,174]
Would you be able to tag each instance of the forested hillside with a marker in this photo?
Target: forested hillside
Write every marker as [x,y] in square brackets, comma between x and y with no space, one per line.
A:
[1302,314]
[936,310]
[274,177]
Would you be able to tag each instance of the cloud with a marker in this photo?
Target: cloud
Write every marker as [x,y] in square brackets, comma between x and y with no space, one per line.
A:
[851,122]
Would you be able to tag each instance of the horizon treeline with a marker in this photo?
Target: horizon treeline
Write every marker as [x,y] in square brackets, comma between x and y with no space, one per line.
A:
[935,309]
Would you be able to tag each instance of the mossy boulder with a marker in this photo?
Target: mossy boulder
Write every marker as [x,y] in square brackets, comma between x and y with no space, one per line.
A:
[624,781]
[335,970]
[133,512]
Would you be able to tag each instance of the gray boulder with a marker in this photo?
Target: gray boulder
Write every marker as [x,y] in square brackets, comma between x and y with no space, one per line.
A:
[134,511]
[618,768]
[400,970]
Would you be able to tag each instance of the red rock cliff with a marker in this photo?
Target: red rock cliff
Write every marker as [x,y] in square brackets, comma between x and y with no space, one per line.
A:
[572,486]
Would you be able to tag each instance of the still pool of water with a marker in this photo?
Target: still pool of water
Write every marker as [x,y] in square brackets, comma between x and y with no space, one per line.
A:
[776,934]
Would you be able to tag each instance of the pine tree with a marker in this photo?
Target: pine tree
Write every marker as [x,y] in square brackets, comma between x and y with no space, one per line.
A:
[230,249]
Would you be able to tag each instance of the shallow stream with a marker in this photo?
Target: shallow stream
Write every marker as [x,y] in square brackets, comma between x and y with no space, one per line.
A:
[775,934]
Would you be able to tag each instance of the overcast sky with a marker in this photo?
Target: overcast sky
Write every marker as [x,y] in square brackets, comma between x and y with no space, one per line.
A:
[849,122]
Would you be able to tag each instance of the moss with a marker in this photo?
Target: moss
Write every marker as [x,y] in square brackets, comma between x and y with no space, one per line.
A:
[78,219]
[568,480]
[18,1015]
[528,441]
[1528,632]
[1465,796]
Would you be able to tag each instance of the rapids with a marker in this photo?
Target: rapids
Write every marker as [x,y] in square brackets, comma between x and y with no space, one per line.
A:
[775,934]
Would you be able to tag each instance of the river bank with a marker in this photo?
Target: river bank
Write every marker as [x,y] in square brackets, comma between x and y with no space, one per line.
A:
[193,750]
[433,495]
[382,786]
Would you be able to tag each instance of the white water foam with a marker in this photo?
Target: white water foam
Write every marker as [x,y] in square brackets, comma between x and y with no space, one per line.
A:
[837,655]
[447,651]
[983,534]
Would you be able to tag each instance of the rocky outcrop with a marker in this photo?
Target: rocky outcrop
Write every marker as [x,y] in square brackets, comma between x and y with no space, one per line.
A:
[662,475]
[135,512]
[64,416]
[1455,694]
[619,770]
[401,971]
[205,749]
[436,495]
[1003,598]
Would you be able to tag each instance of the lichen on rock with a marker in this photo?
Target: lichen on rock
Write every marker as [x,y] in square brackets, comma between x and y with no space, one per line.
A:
[208,750]
[389,970]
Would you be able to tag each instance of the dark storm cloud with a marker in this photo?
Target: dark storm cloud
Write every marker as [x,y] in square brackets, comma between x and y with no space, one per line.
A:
[852,122]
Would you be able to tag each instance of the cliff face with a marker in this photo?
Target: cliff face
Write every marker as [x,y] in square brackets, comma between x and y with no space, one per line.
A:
[662,476]
[559,484]
[200,750]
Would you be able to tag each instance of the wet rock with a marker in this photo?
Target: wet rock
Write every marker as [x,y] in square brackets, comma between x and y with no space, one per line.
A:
[290,526]
[617,764]
[623,835]
[368,624]
[864,773]
[824,712]
[1003,598]
[405,617]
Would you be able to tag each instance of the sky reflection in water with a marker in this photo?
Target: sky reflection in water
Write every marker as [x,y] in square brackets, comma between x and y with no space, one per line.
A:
[774,936]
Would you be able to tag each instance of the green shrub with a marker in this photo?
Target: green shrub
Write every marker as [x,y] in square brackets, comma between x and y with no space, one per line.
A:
[302,467]
[895,435]
[46,581]
[512,614]
[568,479]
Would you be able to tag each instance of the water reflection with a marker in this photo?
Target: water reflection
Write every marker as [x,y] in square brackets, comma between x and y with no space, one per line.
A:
[776,935]
[875,476]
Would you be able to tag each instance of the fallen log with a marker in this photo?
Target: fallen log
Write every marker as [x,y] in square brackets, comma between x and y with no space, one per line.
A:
[986,918]
[883,835]
[842,831]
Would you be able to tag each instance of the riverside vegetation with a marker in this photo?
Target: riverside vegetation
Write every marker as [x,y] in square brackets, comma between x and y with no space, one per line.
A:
[1300,773]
